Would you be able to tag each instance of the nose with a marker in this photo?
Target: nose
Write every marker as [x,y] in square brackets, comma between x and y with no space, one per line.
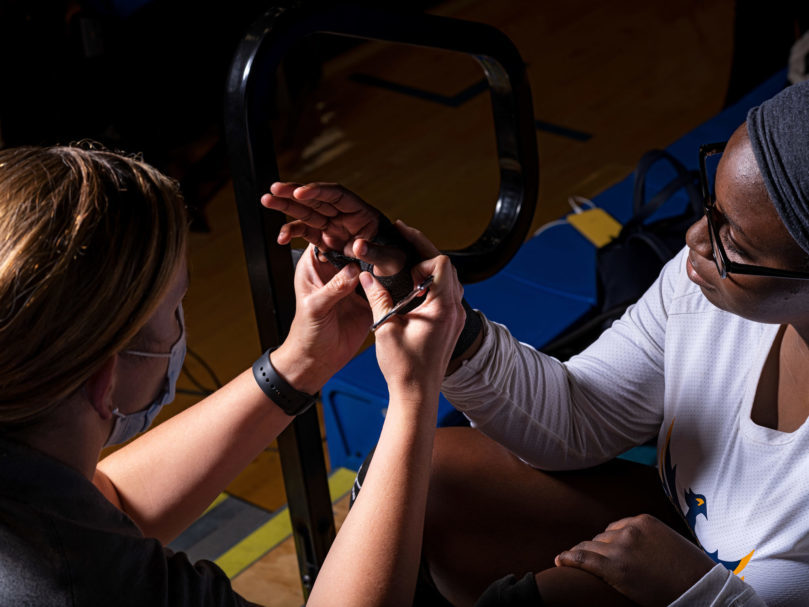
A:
[698,239]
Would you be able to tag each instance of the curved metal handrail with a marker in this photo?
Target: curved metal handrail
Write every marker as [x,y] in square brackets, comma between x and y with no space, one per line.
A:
[254,167]
[250,84]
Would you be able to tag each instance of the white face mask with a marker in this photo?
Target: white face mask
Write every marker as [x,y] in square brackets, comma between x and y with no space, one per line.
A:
[125,426]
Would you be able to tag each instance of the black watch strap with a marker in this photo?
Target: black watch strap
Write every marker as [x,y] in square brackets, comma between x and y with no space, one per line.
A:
[290,400]
[472,327]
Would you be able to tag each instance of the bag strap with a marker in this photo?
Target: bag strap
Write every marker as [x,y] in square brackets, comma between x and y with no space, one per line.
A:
[685,179]
[653,241]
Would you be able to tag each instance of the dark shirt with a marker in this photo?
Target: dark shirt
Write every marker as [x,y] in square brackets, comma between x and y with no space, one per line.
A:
[63,543]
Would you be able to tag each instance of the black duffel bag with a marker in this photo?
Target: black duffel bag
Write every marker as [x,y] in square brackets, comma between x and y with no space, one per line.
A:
[630,263]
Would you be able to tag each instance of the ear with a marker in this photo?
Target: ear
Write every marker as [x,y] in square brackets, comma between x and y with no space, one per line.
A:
[98,387]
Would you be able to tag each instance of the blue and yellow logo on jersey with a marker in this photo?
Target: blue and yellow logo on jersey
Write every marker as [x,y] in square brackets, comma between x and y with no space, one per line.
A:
[696,504]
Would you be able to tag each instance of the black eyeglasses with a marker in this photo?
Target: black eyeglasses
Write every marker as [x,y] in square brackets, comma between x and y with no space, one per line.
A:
[723,264]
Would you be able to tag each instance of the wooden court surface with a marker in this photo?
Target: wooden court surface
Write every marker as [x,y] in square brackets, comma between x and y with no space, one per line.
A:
[609,81]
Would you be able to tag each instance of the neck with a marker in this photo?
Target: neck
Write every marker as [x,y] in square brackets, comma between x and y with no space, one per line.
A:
[69,436]
[801,335]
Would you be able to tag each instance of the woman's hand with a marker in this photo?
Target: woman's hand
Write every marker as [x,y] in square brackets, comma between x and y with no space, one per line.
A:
[380,539]
[414,349]
[331,321]
[331,217]
[642,558]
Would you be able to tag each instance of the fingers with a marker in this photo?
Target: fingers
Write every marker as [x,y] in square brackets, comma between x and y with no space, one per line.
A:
[621,523]
[284,189]
[313,211]
[387,261]
[390,260]
[298,229]
[316,216]
[584,556]
[444,273]
[422,244]
[337,213]
[378,296]
[329,199]
[333,194]
[444,286]
[447,289]
[341,285]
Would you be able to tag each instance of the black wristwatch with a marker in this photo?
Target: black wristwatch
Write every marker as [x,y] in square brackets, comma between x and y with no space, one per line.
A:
[291,401]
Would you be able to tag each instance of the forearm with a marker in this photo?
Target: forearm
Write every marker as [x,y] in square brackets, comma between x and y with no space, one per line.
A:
[166,478]
[375,558]
[507,388]
[555,416]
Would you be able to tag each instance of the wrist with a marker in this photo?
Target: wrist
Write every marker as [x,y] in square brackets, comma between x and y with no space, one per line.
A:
[275,387]
[413,395]
[470,340]
[298,370]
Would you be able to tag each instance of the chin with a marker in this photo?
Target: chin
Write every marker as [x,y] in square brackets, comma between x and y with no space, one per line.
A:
[712,296]
[748,313]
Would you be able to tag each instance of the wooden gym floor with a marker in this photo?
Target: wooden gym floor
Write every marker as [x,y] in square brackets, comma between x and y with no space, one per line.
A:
[609,81]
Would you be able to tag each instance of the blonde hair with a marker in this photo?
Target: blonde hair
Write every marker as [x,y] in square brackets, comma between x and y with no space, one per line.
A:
[89,240]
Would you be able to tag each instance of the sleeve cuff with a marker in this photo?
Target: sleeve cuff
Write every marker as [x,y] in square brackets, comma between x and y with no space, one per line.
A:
[472,365]
[719,588]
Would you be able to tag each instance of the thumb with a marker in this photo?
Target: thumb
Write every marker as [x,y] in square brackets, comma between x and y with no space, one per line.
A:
[339,286]
[378,296]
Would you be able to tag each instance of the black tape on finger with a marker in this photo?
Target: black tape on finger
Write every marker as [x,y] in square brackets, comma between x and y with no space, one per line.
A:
[399,285]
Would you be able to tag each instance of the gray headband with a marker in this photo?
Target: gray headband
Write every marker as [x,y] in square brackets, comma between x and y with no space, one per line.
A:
[779,132]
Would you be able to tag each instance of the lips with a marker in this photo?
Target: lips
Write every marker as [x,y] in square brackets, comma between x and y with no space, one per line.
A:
[694,275]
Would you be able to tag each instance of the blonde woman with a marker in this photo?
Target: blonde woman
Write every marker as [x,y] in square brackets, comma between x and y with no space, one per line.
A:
[92,339]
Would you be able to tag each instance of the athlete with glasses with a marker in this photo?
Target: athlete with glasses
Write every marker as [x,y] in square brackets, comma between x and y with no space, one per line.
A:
[713,361]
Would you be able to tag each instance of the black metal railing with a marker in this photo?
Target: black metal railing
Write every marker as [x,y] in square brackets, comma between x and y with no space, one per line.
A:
[248,106]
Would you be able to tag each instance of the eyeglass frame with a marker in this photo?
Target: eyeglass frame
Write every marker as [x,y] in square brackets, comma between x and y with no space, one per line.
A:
[723,263]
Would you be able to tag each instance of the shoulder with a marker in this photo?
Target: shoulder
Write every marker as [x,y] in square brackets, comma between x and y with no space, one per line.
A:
[47,561]
[33,569]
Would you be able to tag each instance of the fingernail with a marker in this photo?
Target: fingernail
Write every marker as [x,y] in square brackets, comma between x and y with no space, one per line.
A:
[365,280]
[362,248]
[353,270]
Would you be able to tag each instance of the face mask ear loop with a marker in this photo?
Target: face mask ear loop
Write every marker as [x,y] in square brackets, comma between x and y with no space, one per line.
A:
[148,354]
[181,319]
[126,426]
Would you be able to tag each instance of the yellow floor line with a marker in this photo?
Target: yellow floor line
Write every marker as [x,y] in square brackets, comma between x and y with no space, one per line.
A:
[340,483]
[219,499]
[276,530]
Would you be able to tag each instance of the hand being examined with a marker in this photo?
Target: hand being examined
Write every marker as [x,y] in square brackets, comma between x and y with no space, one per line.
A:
[335,219]
[346,229]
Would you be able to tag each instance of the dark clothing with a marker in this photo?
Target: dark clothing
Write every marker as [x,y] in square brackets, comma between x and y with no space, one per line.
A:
[63,543]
